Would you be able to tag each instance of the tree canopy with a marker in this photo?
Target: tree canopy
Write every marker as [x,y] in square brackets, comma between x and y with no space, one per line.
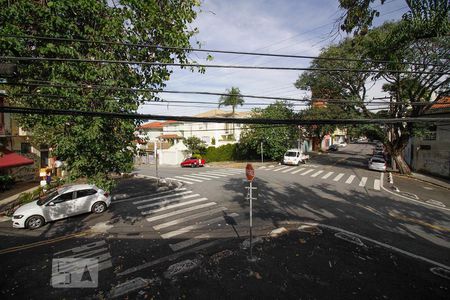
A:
[233,99]
[91,146]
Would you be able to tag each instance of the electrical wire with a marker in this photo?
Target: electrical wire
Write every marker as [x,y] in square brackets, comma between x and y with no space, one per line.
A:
[134,116]
[196,65]
[152,46]
[114,88]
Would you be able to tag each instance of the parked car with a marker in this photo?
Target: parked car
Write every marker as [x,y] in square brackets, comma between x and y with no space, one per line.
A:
[333,147]
[377,164]
[193,162]
[342,144]
[61,203]
[294,157]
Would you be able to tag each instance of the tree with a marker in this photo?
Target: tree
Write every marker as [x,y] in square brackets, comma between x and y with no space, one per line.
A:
[276,139]
[425,19]
[91,146]
[233,99]
[195,145]
[330,112]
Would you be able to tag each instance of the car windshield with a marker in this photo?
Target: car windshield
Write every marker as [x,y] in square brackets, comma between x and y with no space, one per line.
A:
[291,154]
[378,160]
[47,197]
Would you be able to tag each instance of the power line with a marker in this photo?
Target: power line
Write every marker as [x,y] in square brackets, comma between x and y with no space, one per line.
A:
[132,116]
[115,88]
[196,65]
[152,46]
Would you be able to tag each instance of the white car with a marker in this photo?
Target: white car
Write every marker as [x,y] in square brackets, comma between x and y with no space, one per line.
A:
[342,144]
[377,164]
[294,157]
[61,203]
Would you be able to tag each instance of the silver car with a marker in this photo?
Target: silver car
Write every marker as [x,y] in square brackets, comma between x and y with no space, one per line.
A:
[377,164]
[61,203]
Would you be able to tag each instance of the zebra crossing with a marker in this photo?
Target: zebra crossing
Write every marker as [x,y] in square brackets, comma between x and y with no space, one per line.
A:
[179,213]
[198,177]
[315,172]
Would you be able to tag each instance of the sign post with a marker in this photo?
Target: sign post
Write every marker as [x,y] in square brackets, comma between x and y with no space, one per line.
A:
[250,174]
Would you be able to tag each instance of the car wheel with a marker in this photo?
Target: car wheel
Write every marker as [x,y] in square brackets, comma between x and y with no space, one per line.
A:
[98,207]
[34,222]
[192,166]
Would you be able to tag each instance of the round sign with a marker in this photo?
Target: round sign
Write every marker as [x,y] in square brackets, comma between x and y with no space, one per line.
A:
[249,172]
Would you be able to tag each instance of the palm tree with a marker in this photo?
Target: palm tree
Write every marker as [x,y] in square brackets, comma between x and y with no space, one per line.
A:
[233,99]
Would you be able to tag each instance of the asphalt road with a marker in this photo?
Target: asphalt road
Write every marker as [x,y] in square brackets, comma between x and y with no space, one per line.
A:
[205,208]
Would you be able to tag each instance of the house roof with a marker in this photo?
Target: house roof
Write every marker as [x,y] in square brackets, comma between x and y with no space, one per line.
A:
[441,105]
[218,113]
[9,159]
[170,136]
[152,125]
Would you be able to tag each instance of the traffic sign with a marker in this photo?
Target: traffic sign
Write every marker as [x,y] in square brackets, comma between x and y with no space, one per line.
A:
[249,172]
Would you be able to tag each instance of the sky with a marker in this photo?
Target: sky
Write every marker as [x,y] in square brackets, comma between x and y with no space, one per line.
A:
[282,26]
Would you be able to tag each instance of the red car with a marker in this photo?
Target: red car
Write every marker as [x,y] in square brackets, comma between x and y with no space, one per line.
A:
[193,162]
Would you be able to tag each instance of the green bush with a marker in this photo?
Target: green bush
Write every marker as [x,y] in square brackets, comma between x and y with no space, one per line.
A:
[222,153]
[6,181]
[198,156]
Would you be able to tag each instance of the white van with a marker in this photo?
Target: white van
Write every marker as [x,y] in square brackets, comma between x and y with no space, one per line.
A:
[294,157]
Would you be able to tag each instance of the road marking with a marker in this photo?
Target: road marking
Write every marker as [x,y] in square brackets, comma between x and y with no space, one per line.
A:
[164,202]
[350,179]
[272,166]
[45,242]
[83,248]
[407,198]
[187,178]
[308,171]
[147,212]
[327,175]
[208,175]
[363,181]
[185,181]
[144,196]
[287,170]
[338,177]
[317,173]
[376,184]
[162,197]
[262,167]
[418,221]
[180,211]
[190,242]
[195,226]
[382,245]
[188,218]
[218,174]
[197,176]
[171,257]
[435,202]
[279,169]
[298,170]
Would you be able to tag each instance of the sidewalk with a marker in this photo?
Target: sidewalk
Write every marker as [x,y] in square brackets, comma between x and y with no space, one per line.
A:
[430,179]
[14,193]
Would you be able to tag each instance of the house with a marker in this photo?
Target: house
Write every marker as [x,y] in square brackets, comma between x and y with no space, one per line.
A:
[18,157]
[430,153]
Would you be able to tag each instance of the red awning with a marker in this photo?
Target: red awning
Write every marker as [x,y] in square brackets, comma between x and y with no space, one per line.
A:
[9,159]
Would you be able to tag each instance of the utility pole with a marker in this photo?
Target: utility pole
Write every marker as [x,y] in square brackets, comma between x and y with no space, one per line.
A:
[391,130]
[262,153]
[156,157]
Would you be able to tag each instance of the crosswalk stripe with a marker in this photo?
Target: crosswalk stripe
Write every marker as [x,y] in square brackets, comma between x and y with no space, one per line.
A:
[162,197]
[317,173]
[147,212]
[376,184]
[298,170]
[279,169]
[208,175]
[104,257]
[79,249]
[176,179]
[287,170]
[327,175]
[363,181]
[195,226]
[307,172]
[180,211]
[197,176]
[164,202]
[262,167]
[338,177]
[218,174]
[350,179]
[187,178]
[190,242]
[188,218]
[272,166]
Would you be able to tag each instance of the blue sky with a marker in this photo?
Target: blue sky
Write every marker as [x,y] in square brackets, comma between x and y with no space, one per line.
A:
[300,27]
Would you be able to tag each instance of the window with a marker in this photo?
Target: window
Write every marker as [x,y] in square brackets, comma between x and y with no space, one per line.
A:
[25,148]
[63,197]
[85,193]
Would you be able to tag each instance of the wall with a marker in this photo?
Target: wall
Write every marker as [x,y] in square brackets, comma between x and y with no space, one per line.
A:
[170,157]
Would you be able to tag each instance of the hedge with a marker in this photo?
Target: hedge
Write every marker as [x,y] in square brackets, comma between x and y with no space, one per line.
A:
[222,153]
